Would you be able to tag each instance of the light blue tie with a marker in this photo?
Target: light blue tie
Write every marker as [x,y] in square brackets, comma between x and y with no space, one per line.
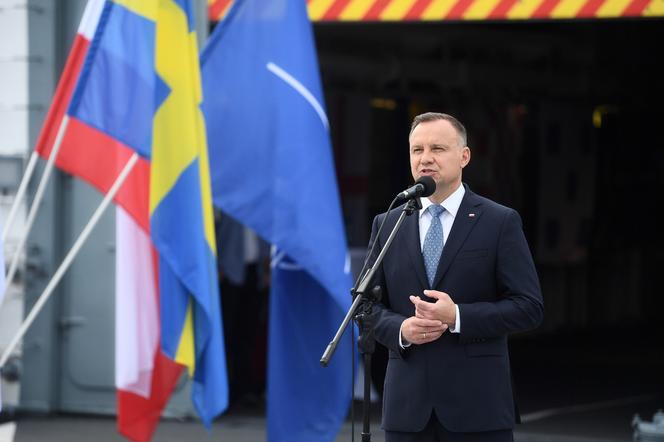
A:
[433,242]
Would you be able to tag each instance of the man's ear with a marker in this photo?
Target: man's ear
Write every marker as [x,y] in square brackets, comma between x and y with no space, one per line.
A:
[465,157]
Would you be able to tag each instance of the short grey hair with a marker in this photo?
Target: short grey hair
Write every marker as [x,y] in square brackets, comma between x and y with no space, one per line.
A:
[434,116]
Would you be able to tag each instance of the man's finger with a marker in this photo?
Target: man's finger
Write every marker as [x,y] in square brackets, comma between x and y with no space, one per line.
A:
[434,329]
[434,294]
[425,315]
[423,322]
[430,336]
[429,329]
[425,306]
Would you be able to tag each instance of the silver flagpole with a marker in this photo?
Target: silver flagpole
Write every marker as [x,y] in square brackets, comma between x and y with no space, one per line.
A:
[32,214]
[64,266]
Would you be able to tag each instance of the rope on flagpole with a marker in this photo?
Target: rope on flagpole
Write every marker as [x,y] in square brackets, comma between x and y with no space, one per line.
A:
[19,195]
[36,202]
[64,266]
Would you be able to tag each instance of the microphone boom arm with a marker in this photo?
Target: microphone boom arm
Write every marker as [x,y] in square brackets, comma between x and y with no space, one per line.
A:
[361,288]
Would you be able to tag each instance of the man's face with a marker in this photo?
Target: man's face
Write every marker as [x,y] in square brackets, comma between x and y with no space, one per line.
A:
[436,151]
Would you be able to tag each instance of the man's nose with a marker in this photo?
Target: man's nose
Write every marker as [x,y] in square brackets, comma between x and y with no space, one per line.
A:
[426,156]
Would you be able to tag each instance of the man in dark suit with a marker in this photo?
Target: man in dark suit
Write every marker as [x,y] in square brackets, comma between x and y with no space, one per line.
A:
[457,280]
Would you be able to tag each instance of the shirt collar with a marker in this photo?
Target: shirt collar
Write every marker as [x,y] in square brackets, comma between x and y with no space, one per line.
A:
[451,203]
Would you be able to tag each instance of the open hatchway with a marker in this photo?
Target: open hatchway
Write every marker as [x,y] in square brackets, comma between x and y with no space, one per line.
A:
[564,122]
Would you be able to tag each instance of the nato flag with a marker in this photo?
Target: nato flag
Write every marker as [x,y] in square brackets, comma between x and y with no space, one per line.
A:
[272,169]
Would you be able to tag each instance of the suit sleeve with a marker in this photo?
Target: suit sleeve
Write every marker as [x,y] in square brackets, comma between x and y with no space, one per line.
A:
[519,305]
[387,324]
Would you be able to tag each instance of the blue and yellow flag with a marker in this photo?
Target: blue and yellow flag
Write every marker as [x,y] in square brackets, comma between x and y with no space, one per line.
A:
[141,85]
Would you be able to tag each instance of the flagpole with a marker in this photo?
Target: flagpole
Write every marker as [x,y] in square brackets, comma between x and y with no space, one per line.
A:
[64,266]
[19,194]
[36,202]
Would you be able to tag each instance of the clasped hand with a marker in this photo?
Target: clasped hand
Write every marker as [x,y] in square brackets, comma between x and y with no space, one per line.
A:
[431,318]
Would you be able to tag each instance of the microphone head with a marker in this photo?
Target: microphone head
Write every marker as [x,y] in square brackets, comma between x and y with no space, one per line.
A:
[429,185]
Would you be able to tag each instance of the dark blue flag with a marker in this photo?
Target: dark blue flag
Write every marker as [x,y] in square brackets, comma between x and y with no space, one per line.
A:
[272,169]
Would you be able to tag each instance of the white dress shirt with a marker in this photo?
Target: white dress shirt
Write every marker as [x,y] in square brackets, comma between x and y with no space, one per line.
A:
[451,206]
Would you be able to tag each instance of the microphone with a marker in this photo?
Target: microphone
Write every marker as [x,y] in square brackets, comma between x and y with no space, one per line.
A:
[423,187]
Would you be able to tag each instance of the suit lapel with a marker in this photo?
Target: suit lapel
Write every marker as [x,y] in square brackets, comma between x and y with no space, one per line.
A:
[466,218]
[411,227]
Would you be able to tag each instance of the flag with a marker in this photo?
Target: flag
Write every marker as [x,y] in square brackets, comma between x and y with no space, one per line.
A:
[145,378]
[272,169]
[86,152]
[141,63]
[141,86]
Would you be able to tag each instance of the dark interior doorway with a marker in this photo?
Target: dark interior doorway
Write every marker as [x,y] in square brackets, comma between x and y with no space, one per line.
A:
[564,126]
[564,122]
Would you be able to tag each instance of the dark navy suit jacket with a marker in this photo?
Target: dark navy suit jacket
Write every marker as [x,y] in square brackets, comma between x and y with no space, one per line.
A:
[487,269]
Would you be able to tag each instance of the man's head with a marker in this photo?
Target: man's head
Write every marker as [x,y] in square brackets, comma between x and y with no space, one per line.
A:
[438,149]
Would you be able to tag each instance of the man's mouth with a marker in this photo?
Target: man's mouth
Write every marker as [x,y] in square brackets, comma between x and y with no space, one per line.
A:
[427,172]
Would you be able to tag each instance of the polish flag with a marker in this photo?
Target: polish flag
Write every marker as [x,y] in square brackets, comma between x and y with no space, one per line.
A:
[144,376]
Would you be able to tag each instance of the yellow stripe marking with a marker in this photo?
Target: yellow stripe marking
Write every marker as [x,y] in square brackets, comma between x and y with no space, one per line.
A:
[397,9]
[567,8]
[612,8]
[480,9]
[654,9]
[356,9]
[438,9]
[523,9]
[318,8]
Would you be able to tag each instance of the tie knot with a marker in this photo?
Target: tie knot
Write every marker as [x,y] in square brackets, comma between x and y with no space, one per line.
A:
[435,210]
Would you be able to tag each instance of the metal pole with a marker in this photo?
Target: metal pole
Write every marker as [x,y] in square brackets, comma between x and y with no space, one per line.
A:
[19,194]
[36,202]
[69,258]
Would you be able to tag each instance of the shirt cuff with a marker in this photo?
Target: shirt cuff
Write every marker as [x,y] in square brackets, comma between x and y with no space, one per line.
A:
[402,342]
[457,325]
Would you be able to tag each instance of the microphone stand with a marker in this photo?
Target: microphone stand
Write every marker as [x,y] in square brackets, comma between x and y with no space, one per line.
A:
[364,299]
